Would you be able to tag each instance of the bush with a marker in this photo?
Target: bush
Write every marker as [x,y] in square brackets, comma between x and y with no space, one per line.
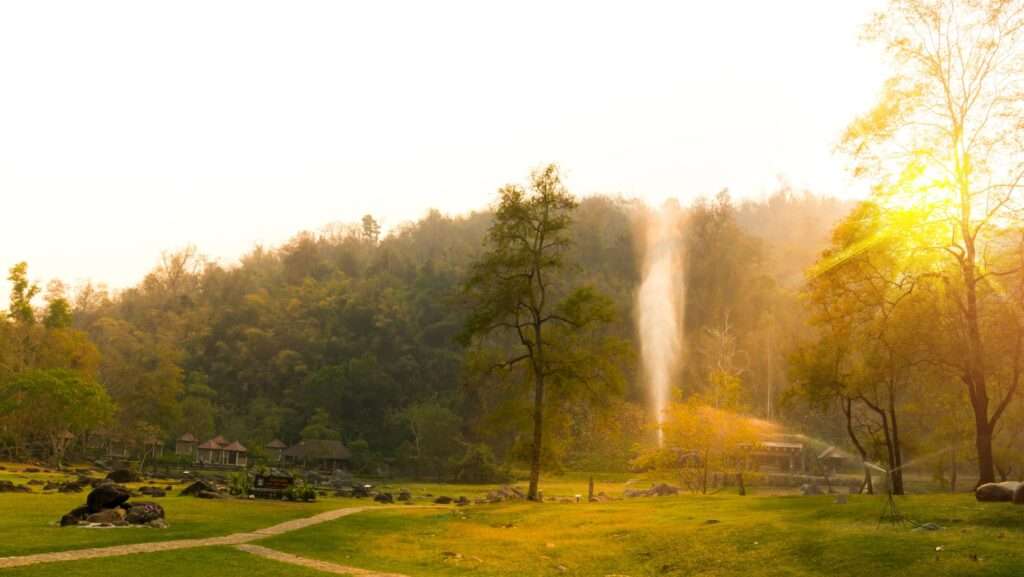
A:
[477,465]
[300,491]
[238,483]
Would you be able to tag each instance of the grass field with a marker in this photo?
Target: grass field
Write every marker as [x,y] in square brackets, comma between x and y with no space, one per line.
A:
[716,535]
[219,561]
[687,535]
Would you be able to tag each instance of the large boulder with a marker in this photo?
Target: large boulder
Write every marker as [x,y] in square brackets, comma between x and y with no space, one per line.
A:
[106,496]
[123,476]
[9,487]
[1018,495]
[996,492]
[198,487]
[108,517]
[70,487]
[74,516]
[384,498]
[153,491]
[143,512]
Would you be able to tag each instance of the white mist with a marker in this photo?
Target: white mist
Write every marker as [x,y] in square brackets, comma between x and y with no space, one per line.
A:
[659,307]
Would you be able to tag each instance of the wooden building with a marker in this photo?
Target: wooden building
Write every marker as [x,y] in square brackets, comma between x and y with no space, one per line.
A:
[831,460]
[318,454]
[220,453]
[275,450]
[185,445]
[777,456]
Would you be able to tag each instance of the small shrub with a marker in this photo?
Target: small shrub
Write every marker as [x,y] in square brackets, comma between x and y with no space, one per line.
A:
[300,491]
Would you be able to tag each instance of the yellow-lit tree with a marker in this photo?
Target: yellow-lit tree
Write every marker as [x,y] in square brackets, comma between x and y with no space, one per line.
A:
[945,143]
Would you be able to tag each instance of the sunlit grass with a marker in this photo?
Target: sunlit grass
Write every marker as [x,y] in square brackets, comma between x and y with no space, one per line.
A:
[687,535]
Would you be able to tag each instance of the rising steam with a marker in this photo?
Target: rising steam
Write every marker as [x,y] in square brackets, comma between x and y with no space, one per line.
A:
[659,308]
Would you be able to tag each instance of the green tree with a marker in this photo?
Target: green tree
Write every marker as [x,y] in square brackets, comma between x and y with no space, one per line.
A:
[515,293]
[319,427]
[47,404]
[22,293]
[436,436]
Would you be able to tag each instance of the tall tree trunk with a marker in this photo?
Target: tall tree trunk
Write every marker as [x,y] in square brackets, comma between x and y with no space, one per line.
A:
[983,444]
[897,449]
[538,424]
[975,377]
[847,406]
[953,472]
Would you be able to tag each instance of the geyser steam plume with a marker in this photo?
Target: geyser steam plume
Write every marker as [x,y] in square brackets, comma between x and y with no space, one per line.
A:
[659,307]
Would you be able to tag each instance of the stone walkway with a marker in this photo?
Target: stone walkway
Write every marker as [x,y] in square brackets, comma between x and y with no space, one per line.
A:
[233,539]
[312,563]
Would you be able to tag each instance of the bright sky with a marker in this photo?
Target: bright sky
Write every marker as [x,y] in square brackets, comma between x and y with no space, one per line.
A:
[128,128]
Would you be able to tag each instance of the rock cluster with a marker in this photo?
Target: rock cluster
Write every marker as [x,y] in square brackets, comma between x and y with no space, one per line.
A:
[505,493]
[123,476]
[659,490]
[9,487]
[204,490]
[107,506]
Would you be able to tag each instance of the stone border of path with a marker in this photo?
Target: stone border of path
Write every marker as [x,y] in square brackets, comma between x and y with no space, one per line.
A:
[234,539]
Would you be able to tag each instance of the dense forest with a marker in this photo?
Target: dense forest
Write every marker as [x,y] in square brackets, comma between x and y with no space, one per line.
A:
[350,334]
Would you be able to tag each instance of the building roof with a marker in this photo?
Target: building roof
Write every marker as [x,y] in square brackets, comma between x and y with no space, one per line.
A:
[832,453]
[276,444]
[188,438]
[236,447]
[318,449]
[776,445]
[211,444]
[218,440]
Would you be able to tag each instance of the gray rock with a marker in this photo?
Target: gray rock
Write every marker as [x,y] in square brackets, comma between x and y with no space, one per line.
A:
[108,516]
[996,492]
[810,489]
[1018,495]
[123,476]
[143,512]
[198,487]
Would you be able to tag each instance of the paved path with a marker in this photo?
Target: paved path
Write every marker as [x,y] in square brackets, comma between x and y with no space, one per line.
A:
[233,539]
[312,563]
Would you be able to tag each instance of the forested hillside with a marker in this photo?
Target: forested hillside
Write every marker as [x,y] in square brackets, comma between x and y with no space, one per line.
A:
[347,333]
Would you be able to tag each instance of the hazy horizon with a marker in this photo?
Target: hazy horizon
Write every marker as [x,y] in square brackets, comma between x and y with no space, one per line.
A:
[134,129]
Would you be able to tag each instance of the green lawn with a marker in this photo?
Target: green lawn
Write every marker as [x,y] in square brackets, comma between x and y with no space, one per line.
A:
[717,535]
[675,536]
[219,561]
[28,521]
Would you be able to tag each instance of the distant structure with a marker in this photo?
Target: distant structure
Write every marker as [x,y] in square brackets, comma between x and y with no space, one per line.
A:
[318,454]
[777,456]
[152,448]
[185,445]
[831,460]
[218,452]
[275,450]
